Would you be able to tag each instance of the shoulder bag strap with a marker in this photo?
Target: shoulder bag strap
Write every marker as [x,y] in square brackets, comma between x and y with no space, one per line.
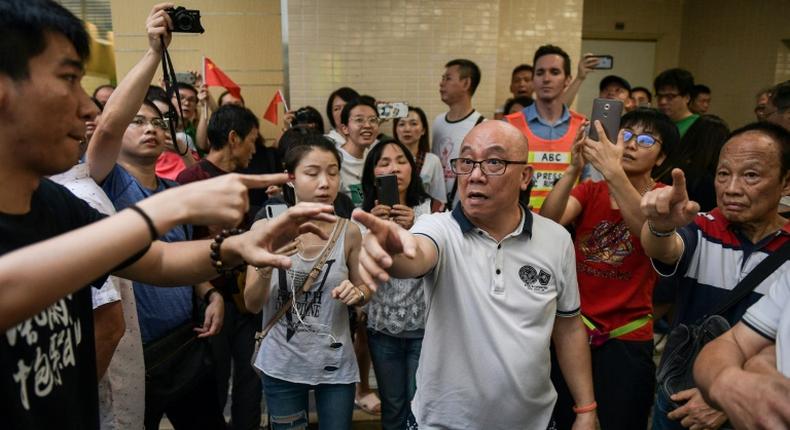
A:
[341,223]
[757,275]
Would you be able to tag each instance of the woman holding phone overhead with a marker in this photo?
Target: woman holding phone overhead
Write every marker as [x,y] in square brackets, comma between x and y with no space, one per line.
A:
[615,276]
[396,314]
[307,344]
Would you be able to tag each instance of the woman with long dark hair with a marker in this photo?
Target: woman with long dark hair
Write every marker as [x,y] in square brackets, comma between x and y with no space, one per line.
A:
[396,314]
[308,346]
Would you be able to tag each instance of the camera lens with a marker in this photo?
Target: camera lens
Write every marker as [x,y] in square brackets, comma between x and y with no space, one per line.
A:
[606,106]
[184,22]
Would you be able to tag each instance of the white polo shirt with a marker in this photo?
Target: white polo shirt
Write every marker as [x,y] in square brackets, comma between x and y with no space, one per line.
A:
[770,317]
[490,314]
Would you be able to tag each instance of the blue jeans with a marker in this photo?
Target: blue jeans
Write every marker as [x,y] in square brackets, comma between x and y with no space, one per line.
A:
[287,403]
[395,363]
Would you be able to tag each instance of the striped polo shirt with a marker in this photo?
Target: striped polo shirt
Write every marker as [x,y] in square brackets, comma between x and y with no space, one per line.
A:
[715,258]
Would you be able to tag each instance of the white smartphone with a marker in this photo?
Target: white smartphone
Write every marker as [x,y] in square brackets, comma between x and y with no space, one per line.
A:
[275,209]
[393,110]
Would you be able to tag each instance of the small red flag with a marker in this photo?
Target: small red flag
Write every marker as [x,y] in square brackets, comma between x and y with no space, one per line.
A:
[271,111]
[214,77]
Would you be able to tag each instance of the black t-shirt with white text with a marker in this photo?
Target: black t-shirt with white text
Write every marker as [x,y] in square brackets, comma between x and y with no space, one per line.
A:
[48,362]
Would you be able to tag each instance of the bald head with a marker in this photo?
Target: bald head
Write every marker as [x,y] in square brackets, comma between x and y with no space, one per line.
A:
[501,134]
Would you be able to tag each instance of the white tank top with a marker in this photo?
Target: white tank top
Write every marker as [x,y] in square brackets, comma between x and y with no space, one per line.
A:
[302,353]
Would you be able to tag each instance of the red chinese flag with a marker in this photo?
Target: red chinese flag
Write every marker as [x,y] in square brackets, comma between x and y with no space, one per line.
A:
[271,111]
[217,78]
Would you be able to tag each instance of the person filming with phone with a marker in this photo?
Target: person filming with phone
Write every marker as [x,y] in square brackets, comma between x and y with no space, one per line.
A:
[396,315]
[615,277]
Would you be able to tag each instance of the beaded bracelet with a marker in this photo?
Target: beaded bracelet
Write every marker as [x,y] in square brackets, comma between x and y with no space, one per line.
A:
[216,257]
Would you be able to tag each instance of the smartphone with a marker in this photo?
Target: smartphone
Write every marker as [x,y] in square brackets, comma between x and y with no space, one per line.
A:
[608,112]
[186,77]
[387,189]
[274,207]
[605,62]
[393,110]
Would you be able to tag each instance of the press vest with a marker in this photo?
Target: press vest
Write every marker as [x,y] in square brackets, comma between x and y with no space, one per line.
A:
[548,158]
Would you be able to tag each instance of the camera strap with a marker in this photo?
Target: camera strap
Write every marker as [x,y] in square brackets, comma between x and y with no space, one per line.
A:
[171,87]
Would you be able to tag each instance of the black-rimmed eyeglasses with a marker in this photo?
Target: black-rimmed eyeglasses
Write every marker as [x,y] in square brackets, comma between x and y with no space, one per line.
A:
[489,167]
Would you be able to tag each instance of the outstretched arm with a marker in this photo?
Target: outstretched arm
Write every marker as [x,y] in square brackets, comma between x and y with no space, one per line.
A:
[71,265]
[390,250]
[126,100]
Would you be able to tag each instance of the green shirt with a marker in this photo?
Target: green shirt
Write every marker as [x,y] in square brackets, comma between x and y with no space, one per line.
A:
[684,124]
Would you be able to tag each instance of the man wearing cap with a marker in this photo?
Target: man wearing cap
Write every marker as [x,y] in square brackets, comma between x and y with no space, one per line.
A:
[615,87]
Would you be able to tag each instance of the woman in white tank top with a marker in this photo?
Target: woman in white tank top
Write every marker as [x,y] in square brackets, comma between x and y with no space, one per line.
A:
[310,347]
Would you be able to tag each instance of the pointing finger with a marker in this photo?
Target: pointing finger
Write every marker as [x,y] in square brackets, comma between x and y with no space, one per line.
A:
[263,181]
[678,185]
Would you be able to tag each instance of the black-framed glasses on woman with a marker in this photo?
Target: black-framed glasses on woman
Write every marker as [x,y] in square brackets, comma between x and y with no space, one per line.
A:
[489,167]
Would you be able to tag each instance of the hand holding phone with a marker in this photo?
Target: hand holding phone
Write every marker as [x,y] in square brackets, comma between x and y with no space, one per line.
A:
[387,189]
[605,62]
[608,112]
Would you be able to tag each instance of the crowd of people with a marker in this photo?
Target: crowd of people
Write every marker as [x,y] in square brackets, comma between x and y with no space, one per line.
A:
[157,255]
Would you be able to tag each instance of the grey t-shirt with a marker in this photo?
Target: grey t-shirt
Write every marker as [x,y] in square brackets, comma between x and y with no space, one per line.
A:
[297,349]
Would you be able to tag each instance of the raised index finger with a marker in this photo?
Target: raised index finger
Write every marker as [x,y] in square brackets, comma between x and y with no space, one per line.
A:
[678,185]
[373,223]
[263,181]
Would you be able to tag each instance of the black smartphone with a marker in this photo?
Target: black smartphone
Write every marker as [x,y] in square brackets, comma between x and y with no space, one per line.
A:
[608,112]
[605,62]
[387,189]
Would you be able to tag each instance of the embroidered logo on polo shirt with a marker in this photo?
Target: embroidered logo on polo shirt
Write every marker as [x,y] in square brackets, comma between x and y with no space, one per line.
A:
[534,279]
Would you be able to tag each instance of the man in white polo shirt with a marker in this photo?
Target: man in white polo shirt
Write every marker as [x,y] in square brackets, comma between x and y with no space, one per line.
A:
[746,371]
[500,284]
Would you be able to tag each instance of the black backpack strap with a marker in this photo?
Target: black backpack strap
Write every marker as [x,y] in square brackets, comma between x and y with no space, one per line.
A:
[754,278]
[451,194]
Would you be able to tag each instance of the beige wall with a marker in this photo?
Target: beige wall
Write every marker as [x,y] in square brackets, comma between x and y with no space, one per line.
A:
[526,25]
[731,46]
[396,50]
[243,38]
[659,20]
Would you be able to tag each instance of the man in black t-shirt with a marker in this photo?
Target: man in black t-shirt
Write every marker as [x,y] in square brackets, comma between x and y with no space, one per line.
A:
[47,354]
[43,354]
